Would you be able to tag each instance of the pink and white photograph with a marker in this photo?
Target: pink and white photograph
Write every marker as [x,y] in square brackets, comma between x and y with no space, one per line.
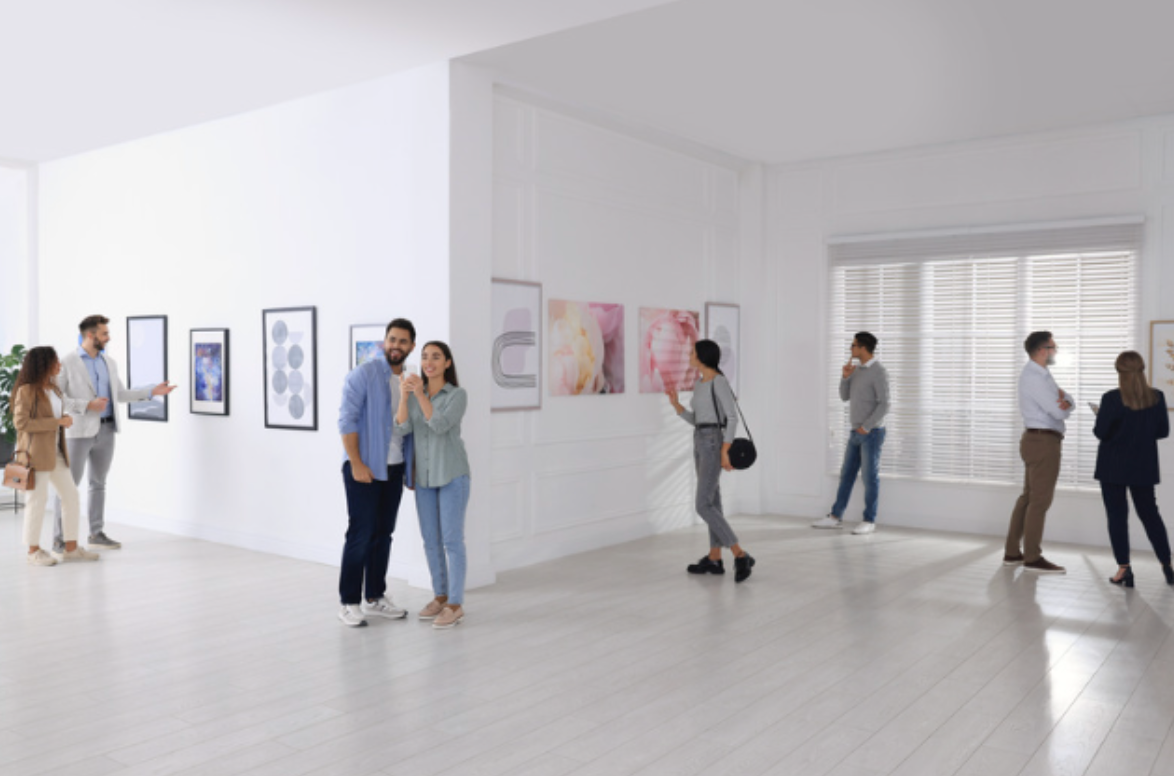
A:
[586,341]
[667,338]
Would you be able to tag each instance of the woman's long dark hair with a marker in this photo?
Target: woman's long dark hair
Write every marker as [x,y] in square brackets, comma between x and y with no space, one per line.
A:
[450,374]
[709,353]
[1136,393]
[37,369]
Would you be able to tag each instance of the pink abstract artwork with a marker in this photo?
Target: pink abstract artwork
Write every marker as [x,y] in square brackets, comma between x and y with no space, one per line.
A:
[667,338]
[586,341]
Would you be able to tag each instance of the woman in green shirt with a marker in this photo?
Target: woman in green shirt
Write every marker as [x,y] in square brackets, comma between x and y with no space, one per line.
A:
[431,409]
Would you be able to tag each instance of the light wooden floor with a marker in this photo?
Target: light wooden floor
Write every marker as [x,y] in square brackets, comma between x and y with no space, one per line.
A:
[907,652]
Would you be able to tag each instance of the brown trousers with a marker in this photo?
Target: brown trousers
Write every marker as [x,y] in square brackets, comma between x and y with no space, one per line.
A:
[1041,457]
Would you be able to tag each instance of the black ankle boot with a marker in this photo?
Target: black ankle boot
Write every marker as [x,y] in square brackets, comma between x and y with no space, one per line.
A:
[706,566]
[1169,572]
[742,567]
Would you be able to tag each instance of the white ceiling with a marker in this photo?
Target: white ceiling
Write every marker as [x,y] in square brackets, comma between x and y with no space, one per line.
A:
[76,75]
[787,80]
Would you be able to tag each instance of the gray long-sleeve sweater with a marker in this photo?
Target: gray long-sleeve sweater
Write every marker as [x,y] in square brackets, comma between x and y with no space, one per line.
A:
[703,410]
[867,391]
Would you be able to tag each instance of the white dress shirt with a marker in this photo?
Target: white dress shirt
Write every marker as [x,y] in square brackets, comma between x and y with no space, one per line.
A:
[1039,399]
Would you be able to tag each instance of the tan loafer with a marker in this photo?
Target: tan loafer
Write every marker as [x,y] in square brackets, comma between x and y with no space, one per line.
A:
[448,618]
[430,611]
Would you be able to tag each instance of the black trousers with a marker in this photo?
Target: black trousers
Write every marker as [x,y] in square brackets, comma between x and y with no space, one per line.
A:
[1117,509]
[372,507]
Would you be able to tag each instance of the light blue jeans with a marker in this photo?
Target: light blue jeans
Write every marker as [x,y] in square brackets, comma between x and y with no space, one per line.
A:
[442,524]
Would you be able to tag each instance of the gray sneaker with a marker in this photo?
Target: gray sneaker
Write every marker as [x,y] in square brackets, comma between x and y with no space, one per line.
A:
[103,542]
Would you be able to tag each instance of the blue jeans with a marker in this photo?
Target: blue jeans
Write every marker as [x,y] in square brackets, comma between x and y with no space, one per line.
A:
[372,508]
[866,447]
[442,524]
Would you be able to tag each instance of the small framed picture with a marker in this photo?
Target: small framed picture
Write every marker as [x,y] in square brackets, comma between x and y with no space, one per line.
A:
[723,326]
[209,371]
[290,341]
[516,361]
[366,342]
[146,364]
[1162,356]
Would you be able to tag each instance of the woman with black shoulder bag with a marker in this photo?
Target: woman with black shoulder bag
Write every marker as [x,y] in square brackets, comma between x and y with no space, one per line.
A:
[714,418]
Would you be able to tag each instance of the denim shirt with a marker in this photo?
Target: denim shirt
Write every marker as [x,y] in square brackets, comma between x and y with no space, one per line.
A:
[366,409]
[100,377]
[439,450]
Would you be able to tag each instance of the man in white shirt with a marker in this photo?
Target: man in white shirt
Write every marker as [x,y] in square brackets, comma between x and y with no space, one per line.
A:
[1044,407]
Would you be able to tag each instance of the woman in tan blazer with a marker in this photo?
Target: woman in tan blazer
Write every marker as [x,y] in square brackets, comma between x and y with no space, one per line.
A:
[40,442]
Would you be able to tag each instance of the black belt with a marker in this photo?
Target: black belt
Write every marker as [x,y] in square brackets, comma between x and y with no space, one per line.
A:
[1043,431]
[107,420]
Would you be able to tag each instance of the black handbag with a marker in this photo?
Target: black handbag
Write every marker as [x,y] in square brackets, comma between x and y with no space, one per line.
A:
[742,453]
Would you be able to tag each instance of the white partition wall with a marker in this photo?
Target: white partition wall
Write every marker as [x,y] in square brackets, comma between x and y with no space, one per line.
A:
[17,268]
[340,201]
[1116,171]
[598,215]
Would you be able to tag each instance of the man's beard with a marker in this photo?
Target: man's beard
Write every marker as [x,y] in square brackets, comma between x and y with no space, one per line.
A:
[99,345]
[1051,360]
[395,361]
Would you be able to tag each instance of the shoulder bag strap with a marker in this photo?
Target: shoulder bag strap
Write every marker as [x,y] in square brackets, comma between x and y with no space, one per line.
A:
[28,453]
[737,406]
[716,409]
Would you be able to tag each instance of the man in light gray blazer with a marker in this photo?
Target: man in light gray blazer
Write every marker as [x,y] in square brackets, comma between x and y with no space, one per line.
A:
[91,387]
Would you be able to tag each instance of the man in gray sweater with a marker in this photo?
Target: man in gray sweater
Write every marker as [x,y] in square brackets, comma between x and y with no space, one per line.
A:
[866,389]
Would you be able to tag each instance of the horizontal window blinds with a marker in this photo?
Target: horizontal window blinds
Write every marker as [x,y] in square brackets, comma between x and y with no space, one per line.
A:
[951,331]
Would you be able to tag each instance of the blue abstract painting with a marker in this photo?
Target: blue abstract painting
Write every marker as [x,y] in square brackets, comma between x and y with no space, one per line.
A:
[209,371]
[367,351]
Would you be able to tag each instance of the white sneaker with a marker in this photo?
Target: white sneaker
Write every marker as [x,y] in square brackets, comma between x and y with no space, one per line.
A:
[828,521]
[77,553]
[40,558]
[383,608]
[864,528]
[351,616]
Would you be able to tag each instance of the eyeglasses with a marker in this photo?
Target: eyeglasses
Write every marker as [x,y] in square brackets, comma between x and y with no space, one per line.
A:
[1050,347]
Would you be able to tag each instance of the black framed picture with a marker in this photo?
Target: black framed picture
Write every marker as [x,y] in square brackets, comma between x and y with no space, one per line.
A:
[146,364]
[208,359]
[290,341]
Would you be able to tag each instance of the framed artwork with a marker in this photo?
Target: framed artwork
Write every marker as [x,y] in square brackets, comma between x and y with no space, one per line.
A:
[667,338]
[146,364]
[723,326]
[290,341]
[516,359]
[585,342]
[366,342]
[1162,355]
[208,358]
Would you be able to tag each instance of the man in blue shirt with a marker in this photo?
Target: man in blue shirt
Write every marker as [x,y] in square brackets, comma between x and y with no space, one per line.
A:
[90,388]
[373,472]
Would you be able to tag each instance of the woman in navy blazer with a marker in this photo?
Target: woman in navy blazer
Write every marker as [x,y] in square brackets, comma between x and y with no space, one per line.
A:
[1129,424]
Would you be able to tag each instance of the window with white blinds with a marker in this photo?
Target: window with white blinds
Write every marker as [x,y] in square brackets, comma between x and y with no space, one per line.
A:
[951,313]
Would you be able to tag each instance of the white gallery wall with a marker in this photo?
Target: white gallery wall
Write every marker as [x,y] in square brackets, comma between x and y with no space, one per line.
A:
[17,275]
[600,215]
[1118,170]
[340,201]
